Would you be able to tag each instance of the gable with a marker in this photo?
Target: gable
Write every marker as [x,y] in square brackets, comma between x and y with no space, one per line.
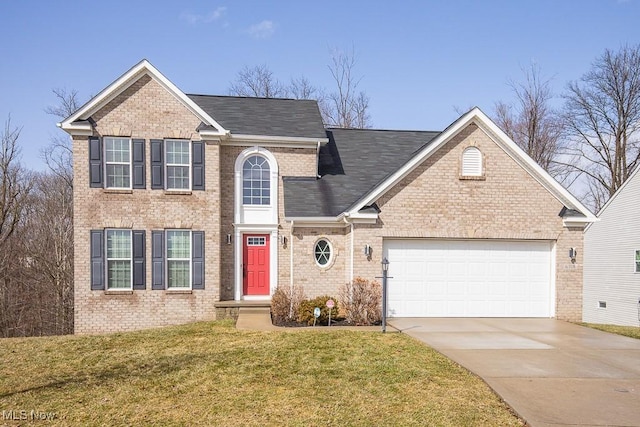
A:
[620,215]
[146,110]
[506,202]
[475,116]
[79,123]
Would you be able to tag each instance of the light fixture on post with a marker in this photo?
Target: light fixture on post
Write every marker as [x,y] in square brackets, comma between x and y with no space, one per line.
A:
[385,272]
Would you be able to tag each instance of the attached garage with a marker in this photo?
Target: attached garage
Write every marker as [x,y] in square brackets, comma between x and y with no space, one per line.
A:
[470,278]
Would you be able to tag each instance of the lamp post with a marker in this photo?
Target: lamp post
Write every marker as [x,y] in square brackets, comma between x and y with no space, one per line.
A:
[385,271]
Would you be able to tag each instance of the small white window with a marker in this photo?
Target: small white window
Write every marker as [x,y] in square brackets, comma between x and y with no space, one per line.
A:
[178,155]
[637,261]
[471,162]
[117,160]
[179,259]
[323,252]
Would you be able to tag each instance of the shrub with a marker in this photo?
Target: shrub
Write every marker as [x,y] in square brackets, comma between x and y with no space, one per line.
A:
[285,303]
[305,314]
[361,301]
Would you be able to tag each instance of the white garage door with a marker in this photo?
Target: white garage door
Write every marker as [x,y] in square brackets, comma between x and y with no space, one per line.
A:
[469,278]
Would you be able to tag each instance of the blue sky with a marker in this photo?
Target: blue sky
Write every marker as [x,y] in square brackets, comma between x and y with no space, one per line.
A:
[419,60]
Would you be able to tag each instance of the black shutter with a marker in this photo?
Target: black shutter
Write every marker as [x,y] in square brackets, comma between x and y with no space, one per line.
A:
[139,273]
[157,164]
[138,164]
[197,165]
[97,260]
[95,162]
[157,260]
[197,259]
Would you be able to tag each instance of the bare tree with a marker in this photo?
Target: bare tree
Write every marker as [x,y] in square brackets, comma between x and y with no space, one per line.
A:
[58,155]
[257,81]
[301,88]
[346,107]
[602,119]
[532,123]
[15,188]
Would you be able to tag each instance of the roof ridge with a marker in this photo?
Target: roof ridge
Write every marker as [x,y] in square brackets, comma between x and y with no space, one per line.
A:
[250,97]
[331,128]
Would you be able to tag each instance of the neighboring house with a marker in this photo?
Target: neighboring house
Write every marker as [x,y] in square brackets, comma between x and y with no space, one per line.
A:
[189,206]
[612,259]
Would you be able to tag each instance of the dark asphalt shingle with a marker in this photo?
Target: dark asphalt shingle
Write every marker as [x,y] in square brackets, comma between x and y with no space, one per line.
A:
[352,164]
[264,116]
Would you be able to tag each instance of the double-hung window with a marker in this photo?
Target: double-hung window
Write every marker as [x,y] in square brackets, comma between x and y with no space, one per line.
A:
[119,259]
[178,164]
[117,161]
[178,259]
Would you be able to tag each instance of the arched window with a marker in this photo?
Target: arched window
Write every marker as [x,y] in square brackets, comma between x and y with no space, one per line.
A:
[322,252]
[256,181]
[471,162]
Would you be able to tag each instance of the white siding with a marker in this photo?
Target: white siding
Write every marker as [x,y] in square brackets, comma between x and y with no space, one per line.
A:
[610,246]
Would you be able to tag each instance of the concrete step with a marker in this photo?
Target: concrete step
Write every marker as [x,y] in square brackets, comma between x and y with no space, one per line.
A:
[255,318]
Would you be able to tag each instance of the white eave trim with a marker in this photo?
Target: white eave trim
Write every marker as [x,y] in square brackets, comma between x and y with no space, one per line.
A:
[274,141]
[362,218]
[318,221]
[578,221]
[142,68]
[479,118]
[84,128]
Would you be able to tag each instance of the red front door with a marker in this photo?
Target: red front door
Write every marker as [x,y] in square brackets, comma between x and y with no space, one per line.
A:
[255,266]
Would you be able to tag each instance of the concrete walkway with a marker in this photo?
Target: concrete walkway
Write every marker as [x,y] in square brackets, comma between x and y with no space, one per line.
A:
[551,373]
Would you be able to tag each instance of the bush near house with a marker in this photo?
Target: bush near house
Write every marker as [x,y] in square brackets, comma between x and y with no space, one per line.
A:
[361,302]
[305,315]
[285,304]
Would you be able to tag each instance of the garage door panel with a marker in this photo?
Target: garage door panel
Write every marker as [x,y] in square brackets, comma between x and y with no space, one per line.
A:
[482,278]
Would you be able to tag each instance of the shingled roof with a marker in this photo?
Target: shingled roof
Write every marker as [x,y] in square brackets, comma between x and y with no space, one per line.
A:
[352,164]
[264,116]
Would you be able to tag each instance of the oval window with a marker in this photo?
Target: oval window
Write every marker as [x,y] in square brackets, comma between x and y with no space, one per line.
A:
[322,252]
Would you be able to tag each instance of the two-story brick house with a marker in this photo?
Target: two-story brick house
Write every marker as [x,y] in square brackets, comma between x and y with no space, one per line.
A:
[184,204]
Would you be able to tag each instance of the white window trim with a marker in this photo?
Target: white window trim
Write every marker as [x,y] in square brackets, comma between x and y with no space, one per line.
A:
[129,163]
[107,259]
[167,259]
[188,165]
[331,253]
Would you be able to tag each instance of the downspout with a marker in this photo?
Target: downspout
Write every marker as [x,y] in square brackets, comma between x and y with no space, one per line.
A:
[291,256]
[318,161]
[351,250]
[291,269]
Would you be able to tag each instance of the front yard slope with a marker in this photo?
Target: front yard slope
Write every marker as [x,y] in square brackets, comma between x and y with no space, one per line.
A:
[212,374]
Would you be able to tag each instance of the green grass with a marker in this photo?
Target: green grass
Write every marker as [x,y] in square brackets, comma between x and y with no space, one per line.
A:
[213,374]
[627,331]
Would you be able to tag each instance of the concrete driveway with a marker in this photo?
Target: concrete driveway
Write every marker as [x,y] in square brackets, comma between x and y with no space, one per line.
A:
[552,373]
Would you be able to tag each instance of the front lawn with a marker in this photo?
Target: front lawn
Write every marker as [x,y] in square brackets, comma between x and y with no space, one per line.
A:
[212,374]
[627,331]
